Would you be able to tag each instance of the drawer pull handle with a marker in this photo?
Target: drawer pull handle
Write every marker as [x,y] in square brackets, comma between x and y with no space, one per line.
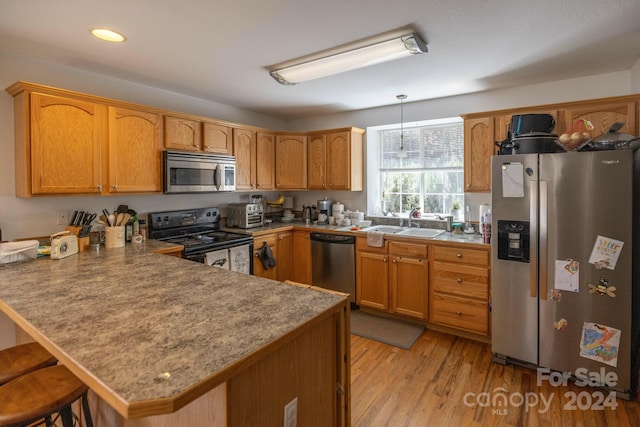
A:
[459,313]
[459,255]
[459,280]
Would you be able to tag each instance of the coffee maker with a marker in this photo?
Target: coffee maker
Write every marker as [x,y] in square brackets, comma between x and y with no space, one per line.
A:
[324,208]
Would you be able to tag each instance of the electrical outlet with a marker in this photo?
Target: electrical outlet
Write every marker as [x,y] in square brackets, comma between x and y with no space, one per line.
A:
[291,413]
[62,217]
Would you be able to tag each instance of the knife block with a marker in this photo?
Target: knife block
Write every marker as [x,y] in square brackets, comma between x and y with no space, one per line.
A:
[83,242]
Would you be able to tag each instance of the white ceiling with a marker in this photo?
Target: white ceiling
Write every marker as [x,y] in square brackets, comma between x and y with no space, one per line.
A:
[220,50]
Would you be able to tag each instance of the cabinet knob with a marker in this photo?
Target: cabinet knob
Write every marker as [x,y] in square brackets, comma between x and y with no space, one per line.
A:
[306,237]
[459,280]
[115,186]
[99,187]
[459,255]
[459,313]
[384,259]
[394,261]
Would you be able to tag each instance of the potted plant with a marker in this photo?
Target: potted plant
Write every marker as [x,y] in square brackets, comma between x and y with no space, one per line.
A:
[456,211]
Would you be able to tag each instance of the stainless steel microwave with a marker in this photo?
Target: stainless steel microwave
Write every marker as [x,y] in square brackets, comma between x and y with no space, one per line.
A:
[198,173]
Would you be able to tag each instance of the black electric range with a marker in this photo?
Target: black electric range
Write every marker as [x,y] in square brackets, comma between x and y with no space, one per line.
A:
[198,230]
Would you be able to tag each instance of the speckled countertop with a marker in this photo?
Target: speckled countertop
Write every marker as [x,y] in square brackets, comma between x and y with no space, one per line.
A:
[128,315]
[474,239]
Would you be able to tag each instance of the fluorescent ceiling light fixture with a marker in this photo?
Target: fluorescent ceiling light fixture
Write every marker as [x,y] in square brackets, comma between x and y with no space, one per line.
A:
[389,50]
[108,35]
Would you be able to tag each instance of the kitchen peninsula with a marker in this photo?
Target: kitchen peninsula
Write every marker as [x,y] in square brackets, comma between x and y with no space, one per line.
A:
[164,341]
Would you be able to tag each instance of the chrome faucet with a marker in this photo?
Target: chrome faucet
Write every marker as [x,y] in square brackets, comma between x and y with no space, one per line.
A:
[411,223]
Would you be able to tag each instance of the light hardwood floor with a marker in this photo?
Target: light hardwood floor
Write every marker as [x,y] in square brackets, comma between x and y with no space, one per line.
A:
[427,386]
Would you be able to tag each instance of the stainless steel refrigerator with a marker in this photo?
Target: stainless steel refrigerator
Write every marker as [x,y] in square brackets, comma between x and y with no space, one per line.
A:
[564,293]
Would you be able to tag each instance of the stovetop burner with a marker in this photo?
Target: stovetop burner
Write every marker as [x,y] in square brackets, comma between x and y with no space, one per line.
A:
[195,229]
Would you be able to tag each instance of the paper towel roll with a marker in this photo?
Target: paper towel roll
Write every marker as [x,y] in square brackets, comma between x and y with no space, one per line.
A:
[483,212]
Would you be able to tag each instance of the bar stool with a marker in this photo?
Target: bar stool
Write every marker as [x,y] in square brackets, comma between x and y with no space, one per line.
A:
[40,394]
[22,359]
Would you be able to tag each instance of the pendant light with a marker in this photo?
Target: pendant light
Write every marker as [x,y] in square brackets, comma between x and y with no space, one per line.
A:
[401,153]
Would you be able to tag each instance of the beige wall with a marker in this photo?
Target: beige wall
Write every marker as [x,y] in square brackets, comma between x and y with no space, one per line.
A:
[36,216]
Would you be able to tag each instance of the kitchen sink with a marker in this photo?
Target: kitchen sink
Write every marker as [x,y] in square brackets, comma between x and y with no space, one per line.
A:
[428,233]
[387,229]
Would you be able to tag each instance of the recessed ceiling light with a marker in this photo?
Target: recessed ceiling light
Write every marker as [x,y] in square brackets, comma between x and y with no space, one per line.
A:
[108,35]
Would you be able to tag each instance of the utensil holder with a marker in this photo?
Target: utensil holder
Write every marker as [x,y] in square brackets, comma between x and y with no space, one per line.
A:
[114,237]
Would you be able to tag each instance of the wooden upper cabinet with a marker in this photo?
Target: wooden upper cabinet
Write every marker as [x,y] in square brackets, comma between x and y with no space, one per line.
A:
[334,160]
[134,151]
[317,162]
[244,150]
[217,138]
[182,133]
[344,160]
[603,115]
[265,161]
[65,146]
[291,161]
[479,146]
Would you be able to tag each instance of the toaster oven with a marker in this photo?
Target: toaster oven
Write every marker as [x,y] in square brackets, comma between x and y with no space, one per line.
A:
[245,215]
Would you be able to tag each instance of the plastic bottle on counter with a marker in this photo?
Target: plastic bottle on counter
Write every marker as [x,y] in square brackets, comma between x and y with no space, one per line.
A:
[143,229]
[136,225]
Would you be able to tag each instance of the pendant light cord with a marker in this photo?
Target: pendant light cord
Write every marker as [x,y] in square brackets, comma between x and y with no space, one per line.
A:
[401,98]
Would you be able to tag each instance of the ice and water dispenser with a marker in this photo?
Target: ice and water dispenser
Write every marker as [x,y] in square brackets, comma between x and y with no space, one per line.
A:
[513,240]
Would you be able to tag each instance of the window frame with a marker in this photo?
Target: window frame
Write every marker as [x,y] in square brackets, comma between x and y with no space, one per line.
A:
[375,171]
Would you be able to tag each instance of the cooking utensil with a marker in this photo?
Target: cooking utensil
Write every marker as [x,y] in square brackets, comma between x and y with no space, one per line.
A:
[119,219]
[613,140]
[535,143]
[106,219]
[73,218]
[122,209]
[125,218]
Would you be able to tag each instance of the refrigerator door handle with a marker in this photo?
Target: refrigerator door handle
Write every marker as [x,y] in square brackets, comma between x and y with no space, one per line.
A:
[543,255]
[533,224]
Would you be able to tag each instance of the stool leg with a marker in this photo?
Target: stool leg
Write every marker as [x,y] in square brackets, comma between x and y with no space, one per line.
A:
[67,416]
[87,413]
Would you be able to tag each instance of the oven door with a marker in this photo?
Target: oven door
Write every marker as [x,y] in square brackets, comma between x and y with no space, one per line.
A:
[189,173]
[240,257]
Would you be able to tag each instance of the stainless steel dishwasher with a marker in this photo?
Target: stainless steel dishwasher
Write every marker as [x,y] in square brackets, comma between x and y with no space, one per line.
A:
[333,263]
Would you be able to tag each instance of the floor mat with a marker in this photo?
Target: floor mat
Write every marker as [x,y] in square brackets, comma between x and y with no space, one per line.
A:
[388,331]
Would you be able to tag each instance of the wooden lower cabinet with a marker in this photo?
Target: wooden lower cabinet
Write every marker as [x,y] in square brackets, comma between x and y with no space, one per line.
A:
[459,292]
[258,267]
[301,268]
[372,280]
[409,277]
[399,286]
[281,245]
[284,266]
